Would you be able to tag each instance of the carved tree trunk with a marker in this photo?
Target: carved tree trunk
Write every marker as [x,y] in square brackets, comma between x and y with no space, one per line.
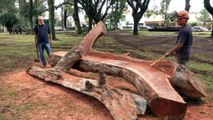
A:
[153,83]
[69,59]
[122,105]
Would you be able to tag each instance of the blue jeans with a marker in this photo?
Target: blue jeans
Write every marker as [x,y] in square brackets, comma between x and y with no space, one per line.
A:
[41,47]
[182,61]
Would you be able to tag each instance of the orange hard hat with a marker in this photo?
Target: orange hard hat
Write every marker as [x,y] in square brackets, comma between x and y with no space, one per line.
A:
[183,14]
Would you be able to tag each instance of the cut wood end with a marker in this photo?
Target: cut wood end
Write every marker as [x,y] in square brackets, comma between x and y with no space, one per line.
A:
[88,85]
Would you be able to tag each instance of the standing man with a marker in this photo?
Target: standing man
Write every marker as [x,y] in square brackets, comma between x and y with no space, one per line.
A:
[182,48]
[41,39]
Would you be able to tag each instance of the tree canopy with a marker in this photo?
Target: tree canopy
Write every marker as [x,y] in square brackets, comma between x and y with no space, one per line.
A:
[138,9]
[8,20]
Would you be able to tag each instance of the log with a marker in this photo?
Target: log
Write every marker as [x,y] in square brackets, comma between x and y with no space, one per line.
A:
[151,83]
[122,105]
[63,64]
[69,59]
[187,83]
[91,37]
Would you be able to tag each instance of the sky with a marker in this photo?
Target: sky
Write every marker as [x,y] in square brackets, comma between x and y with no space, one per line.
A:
[196,7]
[175,5]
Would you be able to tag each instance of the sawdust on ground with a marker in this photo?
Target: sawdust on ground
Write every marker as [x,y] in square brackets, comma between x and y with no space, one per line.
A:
[51,101]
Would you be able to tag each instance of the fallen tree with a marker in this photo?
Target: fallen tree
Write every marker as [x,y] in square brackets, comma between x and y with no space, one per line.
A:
[153,83]
[122,105]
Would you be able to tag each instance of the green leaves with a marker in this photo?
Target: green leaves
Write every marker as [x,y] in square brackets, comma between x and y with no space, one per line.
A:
[8,19]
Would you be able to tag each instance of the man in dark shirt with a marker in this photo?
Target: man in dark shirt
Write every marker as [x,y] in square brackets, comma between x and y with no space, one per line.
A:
[41,39]
[182,48]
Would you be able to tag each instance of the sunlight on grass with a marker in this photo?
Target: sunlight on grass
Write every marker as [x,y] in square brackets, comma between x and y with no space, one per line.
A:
[201,66]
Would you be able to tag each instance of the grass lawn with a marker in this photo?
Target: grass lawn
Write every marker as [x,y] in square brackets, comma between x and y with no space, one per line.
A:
[18,51]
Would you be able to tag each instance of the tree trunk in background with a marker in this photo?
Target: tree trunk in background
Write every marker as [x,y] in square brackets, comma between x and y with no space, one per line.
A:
[90,24]
[65,18]
[187,5]
[62,17]
[21,4]
[212,28]
[135,29]
[52,18]
[31,15]
[138,9]
[76,18]
[116,10]
[209,8]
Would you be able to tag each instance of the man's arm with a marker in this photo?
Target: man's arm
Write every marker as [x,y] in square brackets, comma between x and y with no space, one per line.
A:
[174,49]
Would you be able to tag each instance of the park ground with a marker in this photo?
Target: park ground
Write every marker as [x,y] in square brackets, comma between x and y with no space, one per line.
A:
[24,97]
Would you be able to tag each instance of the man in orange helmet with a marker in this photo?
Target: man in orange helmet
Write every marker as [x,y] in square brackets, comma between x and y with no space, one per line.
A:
[182,48]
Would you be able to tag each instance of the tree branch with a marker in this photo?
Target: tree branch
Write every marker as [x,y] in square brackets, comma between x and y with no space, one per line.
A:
[130,2]
[112,2]
[208,6]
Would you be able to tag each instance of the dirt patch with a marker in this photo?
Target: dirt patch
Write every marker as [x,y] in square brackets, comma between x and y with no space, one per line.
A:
[43,100]
[162,43]
[36,100]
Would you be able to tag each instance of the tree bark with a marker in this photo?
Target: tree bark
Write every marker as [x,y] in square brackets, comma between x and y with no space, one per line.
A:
[76,18]
[65,19]
[152,90]
[52,18]
[152,82]
[94,10]
[31,15]
[187,5]
[187,83]
[212,29]
[209,8]
[138,9]
[90,24]
[135,29]
[122,105]
[69,59]
[62,18]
